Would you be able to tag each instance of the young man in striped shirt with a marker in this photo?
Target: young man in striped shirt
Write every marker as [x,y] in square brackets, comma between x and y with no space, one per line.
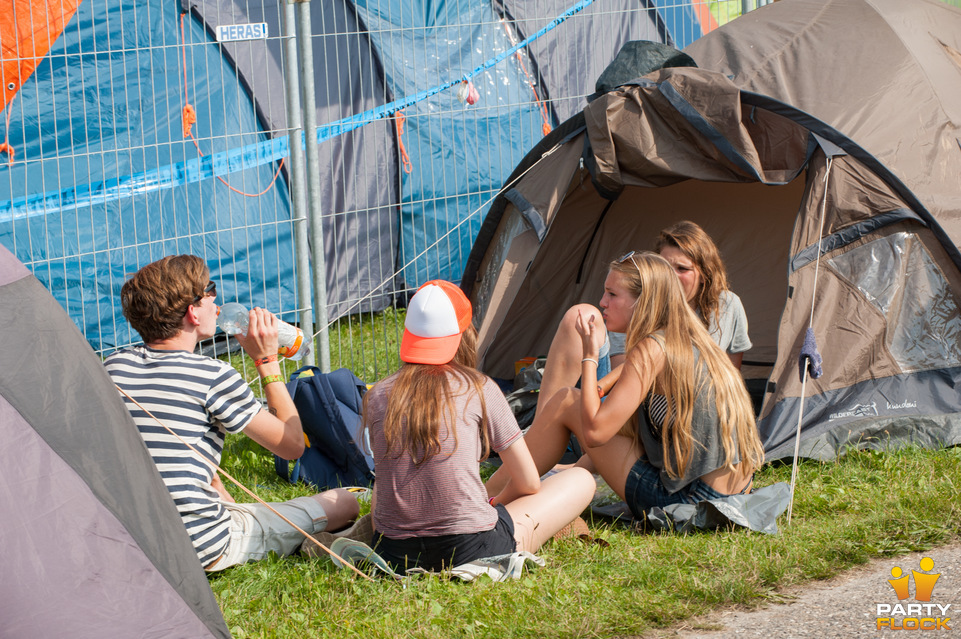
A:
[170,302]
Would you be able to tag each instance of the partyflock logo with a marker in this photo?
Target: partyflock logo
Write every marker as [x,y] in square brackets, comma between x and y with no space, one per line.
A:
[923,615]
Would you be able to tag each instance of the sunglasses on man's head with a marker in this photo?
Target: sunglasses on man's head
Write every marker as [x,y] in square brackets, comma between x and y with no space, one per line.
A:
[209,290]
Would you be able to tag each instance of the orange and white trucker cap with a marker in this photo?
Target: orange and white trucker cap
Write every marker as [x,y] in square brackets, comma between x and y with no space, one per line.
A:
[436,316]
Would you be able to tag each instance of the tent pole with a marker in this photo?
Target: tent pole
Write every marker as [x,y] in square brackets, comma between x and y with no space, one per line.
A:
[804,378]
[797,446]
[314,211]
[296,174]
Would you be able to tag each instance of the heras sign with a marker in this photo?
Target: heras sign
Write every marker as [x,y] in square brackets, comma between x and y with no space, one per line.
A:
[231,32]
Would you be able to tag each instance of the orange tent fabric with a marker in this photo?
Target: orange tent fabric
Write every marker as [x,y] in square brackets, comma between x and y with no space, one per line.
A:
[27,29]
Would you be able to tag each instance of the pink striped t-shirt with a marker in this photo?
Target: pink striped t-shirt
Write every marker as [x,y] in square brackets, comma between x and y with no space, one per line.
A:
[444,496]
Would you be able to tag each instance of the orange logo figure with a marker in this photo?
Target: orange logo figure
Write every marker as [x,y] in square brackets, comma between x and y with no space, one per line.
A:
[899,583]
[923,582]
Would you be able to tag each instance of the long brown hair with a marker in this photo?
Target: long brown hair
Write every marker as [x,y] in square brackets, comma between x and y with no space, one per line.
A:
[422,398]
[661,307]
[698,246]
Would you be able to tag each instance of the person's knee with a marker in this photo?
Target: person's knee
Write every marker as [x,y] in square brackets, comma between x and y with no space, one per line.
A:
[340,505]
[565,397]
[580,483]
[578,309]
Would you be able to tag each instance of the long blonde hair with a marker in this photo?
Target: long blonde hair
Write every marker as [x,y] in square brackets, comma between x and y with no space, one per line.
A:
[421,399]
[661,307]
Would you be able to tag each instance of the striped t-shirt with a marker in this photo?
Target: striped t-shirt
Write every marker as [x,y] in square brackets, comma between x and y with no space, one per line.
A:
[200,399]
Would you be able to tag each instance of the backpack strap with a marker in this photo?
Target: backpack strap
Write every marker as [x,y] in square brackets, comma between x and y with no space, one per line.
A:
[282,466]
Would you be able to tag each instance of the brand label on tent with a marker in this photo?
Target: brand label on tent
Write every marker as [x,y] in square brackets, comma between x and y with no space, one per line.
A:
[231,32]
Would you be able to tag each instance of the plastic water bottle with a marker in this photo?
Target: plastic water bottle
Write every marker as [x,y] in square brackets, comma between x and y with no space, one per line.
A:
[233,319]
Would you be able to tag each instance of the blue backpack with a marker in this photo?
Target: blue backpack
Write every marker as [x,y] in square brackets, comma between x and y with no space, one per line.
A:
[330,411]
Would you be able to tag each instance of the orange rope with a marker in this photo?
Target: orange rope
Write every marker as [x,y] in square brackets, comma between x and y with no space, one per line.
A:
[189,117]
[404,158]
[541,106]
[189,114]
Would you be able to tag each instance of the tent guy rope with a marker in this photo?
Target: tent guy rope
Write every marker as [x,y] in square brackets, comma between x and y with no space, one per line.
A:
[440,239]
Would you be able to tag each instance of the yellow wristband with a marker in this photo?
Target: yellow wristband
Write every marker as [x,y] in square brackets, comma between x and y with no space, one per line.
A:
[270,379]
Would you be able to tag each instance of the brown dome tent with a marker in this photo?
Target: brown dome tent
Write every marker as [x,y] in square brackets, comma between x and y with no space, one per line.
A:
[92,543]
[818,144]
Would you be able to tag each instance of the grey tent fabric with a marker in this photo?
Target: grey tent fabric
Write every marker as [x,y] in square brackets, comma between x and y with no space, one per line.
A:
[757,511]
[804,215]
[638,58]
[93,544]
[592,40]
[885,73]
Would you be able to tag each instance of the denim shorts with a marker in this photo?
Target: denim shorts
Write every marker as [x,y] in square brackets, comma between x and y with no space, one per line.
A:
[604,358]
[644,490]
[448,551]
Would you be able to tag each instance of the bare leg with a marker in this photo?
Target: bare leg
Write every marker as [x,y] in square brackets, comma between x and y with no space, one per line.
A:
[586,463]
[613,461]
[340,505]
[560,500]
[563,366]
[547,437]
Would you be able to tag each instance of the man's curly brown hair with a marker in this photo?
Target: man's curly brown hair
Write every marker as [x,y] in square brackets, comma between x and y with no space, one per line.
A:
[156,298]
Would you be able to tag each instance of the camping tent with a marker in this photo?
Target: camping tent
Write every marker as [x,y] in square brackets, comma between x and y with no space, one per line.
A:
[804,214]
[92,543]
[101,116]
[369,52]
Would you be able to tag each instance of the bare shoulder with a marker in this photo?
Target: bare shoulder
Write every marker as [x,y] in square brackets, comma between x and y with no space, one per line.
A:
[647,355]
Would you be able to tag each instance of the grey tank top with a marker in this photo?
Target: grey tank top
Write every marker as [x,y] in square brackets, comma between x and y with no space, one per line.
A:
[707,454]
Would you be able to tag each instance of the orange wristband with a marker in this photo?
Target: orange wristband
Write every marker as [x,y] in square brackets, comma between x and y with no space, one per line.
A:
[265,360]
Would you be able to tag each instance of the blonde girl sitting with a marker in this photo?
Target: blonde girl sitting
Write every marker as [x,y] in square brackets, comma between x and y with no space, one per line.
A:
[678,425]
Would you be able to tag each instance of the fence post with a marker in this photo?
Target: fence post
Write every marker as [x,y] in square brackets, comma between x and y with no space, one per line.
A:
[315,206]
[296,172]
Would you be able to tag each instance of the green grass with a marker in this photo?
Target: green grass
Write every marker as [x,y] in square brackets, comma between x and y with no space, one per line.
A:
[866,505]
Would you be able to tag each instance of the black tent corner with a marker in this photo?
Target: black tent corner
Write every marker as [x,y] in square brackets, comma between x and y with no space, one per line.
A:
[636,59]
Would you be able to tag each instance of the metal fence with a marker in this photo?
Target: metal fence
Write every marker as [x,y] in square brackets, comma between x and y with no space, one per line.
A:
[324,158]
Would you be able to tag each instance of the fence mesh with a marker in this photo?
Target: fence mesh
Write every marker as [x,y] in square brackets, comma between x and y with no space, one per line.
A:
[134,129]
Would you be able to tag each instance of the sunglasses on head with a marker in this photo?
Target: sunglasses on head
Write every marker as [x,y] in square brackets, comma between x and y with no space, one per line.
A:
[209,290]
[629,256]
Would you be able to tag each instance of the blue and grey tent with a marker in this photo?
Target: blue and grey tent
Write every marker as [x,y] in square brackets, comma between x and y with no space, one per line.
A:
[104,181]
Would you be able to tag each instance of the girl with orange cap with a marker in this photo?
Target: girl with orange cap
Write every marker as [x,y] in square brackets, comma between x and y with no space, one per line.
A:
[430,424]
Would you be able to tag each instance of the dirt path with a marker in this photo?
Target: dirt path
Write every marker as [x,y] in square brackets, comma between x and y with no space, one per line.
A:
[845,606]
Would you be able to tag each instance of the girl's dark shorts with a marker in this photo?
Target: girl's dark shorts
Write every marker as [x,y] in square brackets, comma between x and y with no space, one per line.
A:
[448,551]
